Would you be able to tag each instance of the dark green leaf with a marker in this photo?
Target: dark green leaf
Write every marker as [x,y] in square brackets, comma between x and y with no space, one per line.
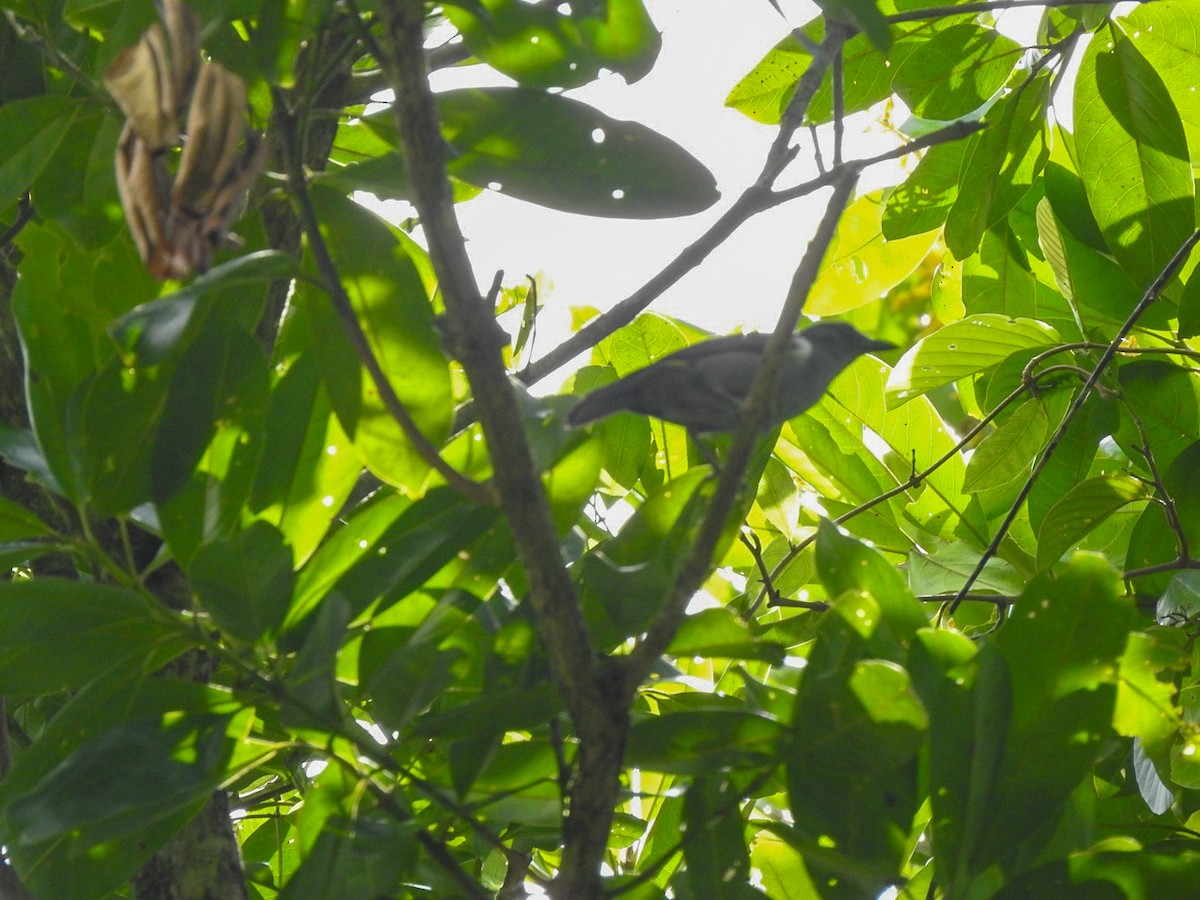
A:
[220,383]
[1061,650]
[312,465]
[113,777]
[30,133]
[312,694]
[57,634]
[558,152]
[541,46]
[153,330]
[718,865]
[245,582]
[391,552]
[851,772]
[698,740]
[353,858]
[1166,399]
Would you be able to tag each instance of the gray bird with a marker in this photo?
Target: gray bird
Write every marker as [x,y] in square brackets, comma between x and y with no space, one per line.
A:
[702,387]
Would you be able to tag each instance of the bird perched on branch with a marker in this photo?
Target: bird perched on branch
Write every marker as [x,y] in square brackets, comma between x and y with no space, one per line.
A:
[703,387]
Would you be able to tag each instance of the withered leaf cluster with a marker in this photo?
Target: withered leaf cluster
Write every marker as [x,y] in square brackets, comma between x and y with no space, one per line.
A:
[179,211]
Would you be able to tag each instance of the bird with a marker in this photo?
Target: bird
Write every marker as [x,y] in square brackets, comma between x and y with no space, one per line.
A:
[703,387]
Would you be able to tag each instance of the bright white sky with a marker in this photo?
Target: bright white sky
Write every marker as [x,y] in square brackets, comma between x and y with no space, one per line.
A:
[708,45]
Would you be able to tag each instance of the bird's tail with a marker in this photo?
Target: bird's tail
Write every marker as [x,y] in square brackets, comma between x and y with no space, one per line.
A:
[599,403]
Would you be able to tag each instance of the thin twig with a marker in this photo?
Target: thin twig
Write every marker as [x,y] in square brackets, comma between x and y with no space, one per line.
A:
[1165,498]
[1181,562]
[953,132]
[913,481]
[1110,352]
[754,544]
[24,215]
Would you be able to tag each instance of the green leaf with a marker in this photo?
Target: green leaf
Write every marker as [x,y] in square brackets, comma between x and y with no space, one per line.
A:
[697,740]
[16,523]
[152,331]
[1156,538]
[558,152]
[77,188]
[1008,452]
[926,197]
[717,632]
[58,635]
[851,769]
[964,348]
[313,465]
[1061,648]
[956,71]
[944,667]
[718,864]
[1189,308]
[1110,875]
[1133,156]
[861,265]
[765,91]
[1168,36]
[389,550]
[62,311]
[865,15]
[1166,399]
[245,582]
[120,417]
[1146,706]
[312,700]
[625,580]
[1000,165]
[846,564]
[1080,510]
[944,570]
[1072,461]
[998,278]
[364,855]
[542,47]
[219,383]
[1091,278]
[30,133]
[116,773]
[388,295]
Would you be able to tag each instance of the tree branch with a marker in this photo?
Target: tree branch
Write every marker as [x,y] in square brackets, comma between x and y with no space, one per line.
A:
[755,199]
[599,708]
[1110,352]
[692,573]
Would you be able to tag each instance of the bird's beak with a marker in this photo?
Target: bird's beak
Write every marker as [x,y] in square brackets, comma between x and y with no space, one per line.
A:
[880,346]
